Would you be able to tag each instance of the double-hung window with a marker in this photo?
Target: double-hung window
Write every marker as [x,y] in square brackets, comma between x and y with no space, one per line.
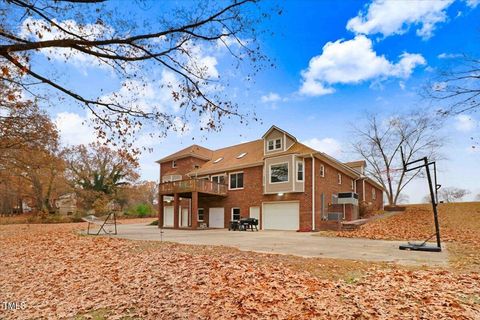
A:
[274,144]
[200,214]
[235,213]
[339,178]
[279,173]
[236,180]
[300,171]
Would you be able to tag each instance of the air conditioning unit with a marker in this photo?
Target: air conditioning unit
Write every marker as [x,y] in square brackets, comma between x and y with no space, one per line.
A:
[335,216]
[347,198]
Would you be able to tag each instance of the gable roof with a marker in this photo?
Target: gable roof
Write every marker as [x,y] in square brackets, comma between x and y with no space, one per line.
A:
[190,151]
[230,160]
[356,164]
[278,129]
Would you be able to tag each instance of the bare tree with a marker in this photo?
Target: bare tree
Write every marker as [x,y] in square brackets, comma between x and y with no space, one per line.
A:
[452,194]
[457,86]
[379,142]
[112,36]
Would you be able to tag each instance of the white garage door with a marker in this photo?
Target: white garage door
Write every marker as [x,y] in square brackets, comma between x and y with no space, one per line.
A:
[281,216]
[216,218]
[168,216]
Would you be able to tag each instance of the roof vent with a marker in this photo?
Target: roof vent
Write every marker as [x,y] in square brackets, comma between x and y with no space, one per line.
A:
[218,160]
[241,155]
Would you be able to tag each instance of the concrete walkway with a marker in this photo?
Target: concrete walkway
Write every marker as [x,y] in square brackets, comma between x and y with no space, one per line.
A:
[289,242]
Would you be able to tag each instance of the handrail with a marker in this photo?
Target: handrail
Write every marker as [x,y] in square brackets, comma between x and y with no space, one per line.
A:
[192,185]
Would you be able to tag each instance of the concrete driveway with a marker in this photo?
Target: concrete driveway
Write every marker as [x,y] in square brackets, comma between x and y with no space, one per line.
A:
[302,244]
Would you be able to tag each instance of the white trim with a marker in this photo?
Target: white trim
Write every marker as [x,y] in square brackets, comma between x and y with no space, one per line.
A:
[270,172]
[274,144]
[363,193]
[218,160]
[237,172]
[284,141]
[174,163]
[322,171]
[296,170]
[313,191]
[339,178]
[231,212]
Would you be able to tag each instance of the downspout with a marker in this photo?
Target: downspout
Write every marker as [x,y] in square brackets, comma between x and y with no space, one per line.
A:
[363,195]
[313,191]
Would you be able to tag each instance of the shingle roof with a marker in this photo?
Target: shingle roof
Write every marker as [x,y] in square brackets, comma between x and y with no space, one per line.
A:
[357,163]
[254,156]
[191,151]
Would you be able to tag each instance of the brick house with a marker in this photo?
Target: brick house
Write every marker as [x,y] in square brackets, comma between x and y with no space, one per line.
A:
[276,179]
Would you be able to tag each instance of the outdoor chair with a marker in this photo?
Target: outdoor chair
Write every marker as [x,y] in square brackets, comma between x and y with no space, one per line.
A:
[108,220]
[234,225]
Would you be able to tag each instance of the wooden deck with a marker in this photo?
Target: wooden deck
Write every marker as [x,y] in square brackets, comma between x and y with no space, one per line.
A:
[193,185]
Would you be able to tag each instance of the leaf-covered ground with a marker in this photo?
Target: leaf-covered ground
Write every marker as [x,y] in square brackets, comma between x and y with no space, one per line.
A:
[459,229]
[60,274]
[459,222]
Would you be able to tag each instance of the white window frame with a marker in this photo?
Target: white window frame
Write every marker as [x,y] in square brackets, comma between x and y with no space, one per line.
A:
[303,171]
[229,180]
[353,183]
[174,163]
[270,173]
[374,194]
[198,215]
[274,144]
[239,214]
[339,178]
[322,171]
[218,175]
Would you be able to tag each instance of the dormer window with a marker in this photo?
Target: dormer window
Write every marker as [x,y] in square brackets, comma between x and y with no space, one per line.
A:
[241,155]
[218,160]
[274,144]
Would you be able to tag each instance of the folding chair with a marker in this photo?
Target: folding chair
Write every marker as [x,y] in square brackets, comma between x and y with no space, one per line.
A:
[108,220]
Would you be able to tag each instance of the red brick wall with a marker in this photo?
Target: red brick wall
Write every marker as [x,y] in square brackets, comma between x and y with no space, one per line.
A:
[329,186]
[183,166]
[376,204]
[252,196]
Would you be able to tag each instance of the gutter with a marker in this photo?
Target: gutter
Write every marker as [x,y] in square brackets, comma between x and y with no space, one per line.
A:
[313,191]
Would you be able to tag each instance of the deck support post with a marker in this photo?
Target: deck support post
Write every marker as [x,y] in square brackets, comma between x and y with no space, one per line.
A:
[176,204]
[160,211]
[194,210]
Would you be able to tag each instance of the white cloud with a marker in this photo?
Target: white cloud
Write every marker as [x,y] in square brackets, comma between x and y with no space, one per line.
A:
[271,97]
[328,145]
[396,17]
[73,128]
[472,3]
[449,55]
[353,61]
[465,123]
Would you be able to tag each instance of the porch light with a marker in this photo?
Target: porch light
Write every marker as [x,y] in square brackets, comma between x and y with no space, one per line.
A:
[280,194]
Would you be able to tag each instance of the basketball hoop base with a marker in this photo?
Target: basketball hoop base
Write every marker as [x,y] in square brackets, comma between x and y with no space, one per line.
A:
[419,247]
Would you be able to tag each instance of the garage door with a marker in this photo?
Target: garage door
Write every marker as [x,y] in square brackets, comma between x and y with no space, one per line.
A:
[168,216]
[281,216]
[216,218]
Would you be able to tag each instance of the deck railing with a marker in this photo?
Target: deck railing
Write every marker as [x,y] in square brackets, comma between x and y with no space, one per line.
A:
[192,185]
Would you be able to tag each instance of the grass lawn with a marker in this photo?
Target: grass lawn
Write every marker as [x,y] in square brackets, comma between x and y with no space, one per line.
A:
[61,274]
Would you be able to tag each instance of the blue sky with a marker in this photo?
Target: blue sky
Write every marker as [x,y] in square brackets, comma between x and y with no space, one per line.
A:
[334,60]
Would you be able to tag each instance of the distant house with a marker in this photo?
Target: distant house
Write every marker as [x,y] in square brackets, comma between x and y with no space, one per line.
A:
[276,179]
[66,204]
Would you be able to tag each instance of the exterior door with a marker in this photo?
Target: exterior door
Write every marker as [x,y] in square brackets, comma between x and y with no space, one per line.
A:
[216,218]
[184,219]
[255,213]
[168,216]
[281,216]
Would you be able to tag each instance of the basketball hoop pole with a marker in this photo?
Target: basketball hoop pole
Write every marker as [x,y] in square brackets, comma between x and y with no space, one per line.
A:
[434,200]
